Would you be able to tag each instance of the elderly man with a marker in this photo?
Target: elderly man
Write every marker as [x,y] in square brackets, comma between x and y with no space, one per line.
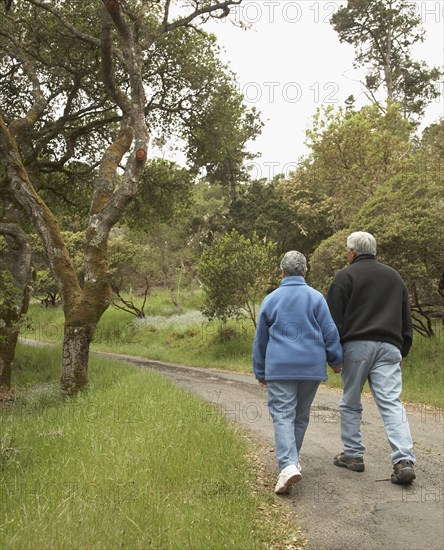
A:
[295,337]
[369,303]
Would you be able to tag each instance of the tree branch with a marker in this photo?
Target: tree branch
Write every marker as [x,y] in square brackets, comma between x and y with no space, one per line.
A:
[128,305]
[83,36]
[44,221]
[198,12]
[107,49]
[40,103]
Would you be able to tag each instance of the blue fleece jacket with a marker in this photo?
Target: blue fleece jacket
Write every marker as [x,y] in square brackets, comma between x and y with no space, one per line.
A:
[295,335]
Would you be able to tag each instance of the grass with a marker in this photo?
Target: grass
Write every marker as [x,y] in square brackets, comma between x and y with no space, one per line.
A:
[165,335]
[185,337]
[134,462]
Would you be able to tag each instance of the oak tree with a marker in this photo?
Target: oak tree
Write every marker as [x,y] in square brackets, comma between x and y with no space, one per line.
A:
[84,81]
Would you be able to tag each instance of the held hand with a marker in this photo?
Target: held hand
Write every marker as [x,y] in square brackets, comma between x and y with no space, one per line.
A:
[262,383]
[338,368]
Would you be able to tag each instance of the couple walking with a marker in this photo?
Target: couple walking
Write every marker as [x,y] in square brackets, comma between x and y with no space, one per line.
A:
[298,332]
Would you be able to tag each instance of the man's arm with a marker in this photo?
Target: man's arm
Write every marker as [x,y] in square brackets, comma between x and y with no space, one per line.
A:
[407,326]
[330,336]
[337,304]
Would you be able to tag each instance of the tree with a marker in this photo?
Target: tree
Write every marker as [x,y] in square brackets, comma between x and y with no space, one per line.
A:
[15,292]
[77,74]
[310,208]
[260,208]
[352,153]
[383,33]
[140,262]
[236,273]
[405,215]
[223,153]
[45,288]
[208,216]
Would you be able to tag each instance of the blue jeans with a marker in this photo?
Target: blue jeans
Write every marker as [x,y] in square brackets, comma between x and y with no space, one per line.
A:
[379,363]
[289,402]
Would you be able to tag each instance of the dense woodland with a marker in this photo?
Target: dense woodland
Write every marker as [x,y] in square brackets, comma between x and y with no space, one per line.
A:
[89,217]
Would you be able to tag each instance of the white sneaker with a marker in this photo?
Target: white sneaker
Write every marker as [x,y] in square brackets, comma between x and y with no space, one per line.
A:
[288,477]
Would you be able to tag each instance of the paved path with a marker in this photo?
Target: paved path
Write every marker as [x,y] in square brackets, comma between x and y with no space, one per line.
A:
[339,509]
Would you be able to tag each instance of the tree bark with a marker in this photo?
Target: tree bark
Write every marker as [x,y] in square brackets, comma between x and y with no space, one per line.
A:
[15,294]
[75,357]
[8,343]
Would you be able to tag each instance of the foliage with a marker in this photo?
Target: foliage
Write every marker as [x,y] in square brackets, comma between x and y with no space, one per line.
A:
[351,154]
[163,258]
[236,273]
[128,259]
[16,280]
[405,215]
[260,208]
[194,97]
[10,296]
[328,258]
[309,205]
[45,281]
[164,192]
[45,287]
[383,33]
[69,193]
[209,214]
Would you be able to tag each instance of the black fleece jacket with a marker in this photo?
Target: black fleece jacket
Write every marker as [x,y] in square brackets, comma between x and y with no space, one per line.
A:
[369,301]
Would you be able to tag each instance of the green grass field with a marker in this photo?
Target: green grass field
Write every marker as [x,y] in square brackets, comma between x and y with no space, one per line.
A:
[134,462]
[185,337]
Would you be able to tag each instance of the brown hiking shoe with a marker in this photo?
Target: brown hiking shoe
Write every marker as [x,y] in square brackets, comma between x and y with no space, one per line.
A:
[403,472]
[350,462]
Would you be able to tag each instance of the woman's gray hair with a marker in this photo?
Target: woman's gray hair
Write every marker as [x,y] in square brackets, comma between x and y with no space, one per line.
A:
[362,243]
[294,263]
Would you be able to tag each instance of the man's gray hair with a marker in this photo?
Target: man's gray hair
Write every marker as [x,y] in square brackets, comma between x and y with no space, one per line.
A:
[362,243]
[294,263]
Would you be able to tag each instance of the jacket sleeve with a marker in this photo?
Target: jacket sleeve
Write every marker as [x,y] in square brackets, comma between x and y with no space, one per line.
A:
[337,304]
[260,345]
[407,326]
[330,334]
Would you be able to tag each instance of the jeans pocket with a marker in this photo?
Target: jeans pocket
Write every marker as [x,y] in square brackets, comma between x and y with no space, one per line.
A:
[389,353]
[355,352]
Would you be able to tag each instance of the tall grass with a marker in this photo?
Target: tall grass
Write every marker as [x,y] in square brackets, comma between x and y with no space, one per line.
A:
[189,339]
[134,463]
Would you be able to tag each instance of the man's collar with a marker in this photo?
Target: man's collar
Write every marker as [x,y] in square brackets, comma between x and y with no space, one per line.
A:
[363,257]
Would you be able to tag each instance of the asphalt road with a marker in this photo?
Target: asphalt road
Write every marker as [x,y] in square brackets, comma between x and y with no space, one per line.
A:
[336,508]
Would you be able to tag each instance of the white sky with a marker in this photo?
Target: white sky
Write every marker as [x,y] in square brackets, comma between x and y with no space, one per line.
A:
[291,61]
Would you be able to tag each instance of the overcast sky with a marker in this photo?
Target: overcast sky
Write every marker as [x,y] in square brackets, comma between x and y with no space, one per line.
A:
[291,61]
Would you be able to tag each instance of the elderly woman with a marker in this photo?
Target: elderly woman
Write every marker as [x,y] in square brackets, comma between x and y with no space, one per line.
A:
[295,338]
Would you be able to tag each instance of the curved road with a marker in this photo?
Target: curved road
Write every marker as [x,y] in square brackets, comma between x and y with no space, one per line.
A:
[339,509]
